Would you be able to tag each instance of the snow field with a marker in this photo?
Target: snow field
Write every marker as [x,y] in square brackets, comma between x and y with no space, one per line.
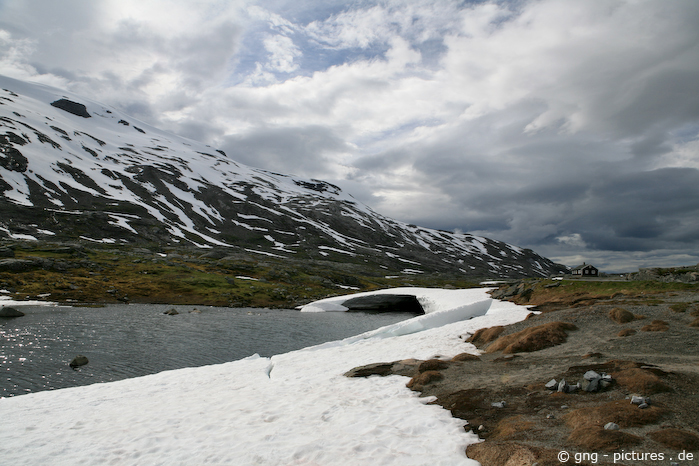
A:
[291,409]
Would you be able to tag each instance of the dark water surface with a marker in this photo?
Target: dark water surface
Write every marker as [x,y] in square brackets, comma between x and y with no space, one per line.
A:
[123,341]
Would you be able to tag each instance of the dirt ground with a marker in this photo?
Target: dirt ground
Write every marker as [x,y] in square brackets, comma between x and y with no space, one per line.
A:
[658,358]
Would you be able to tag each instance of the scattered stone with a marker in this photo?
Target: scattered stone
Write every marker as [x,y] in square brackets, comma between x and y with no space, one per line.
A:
[611,426]
[643,405]
[78,361]
[10,312]
[498,404]
[552,384]
[171,312]
[550,416]
[562,386]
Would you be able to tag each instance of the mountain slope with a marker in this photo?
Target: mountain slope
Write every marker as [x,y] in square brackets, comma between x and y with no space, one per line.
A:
[71,168]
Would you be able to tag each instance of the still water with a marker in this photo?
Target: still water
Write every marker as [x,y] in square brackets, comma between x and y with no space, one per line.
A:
[123,341]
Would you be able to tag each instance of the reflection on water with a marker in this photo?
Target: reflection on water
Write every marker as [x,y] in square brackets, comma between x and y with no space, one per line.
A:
[123,341]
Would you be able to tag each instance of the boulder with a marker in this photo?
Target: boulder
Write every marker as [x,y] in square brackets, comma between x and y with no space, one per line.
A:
[10,312]
[69,106]
[16,265]
[385,303]
[78,361]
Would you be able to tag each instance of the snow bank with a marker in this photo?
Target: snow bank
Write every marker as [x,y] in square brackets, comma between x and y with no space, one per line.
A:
[291,409]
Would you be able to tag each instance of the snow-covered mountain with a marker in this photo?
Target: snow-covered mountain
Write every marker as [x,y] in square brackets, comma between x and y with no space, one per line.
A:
[72,168]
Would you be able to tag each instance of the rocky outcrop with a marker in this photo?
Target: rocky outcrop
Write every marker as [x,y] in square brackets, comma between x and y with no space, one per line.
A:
[72,107]
[667,275]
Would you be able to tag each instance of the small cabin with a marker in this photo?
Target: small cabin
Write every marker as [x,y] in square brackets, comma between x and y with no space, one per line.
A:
[586,270]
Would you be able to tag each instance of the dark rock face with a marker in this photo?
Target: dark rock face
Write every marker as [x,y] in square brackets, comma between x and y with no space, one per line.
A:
[385,303]
[10,312]
[72,107]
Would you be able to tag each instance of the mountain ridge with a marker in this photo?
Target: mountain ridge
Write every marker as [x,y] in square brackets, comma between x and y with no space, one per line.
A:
[75,169]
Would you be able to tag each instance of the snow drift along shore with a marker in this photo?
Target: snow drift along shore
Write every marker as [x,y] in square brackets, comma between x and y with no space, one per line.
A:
[290,409]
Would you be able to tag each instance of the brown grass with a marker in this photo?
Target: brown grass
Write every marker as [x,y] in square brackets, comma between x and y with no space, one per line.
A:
[680,307]
[509,427]
[640,381]
[484,336]
[465,357]
[419,381]
[676,439]
[432,365]
[621,412]
[656,326]
[694,323]
[588,424]
[621,316]
[595,438]
[533,338]
[626,332]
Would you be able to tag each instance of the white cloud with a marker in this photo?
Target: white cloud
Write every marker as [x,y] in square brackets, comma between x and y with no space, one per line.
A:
[504,118]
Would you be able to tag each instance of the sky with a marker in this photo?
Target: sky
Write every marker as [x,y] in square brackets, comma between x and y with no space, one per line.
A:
[568,127]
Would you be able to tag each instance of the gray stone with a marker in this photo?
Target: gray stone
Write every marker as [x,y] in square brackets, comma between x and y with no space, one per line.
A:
[611,426]
[498,404]
[171,312]
[643,405]
[562,386]
[639,400]
[591,375]
[78,361]
[10,312]
[552,384]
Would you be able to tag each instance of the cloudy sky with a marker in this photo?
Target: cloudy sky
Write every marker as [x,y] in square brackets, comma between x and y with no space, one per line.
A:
[569,127]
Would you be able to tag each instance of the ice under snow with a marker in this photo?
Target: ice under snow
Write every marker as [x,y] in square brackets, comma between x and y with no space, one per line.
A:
[291,409]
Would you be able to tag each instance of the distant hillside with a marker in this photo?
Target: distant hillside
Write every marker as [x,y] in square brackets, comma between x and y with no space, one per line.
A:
[73,169]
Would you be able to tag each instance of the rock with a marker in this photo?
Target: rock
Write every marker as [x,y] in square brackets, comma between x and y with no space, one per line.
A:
[552,384]
[385,303]
[16,265]
[611,426]
[71,107]
[171,312]
[498,404]
[591,375]
[381,369]
[78,361]
[638,400]
[562,386]
[7,252]
[10,312]
[643,405]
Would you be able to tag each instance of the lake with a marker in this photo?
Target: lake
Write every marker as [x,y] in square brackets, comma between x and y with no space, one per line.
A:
[123,341]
